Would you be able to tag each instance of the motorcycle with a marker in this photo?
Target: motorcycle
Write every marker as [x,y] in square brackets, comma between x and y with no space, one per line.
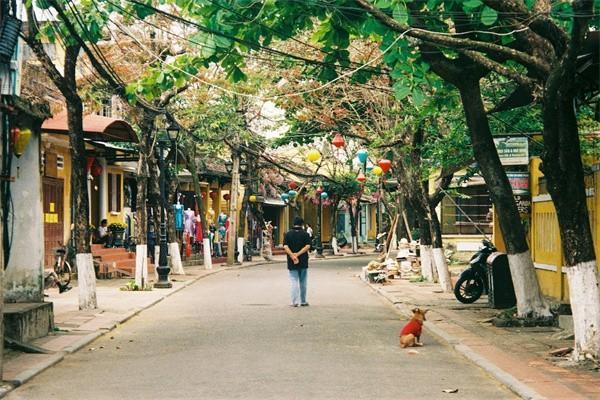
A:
[473,282]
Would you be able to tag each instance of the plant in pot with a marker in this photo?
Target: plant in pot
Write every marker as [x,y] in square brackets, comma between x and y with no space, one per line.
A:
[117,231]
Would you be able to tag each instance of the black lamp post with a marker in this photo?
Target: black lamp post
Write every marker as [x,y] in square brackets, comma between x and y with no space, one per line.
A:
[163,264]
[321,195]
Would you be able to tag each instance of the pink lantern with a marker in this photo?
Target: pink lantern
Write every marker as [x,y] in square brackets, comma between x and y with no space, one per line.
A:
[361,177]
[338,141]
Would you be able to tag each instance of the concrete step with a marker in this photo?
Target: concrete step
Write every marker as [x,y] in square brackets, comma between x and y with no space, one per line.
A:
[109,251]
[117,257]
[27,321]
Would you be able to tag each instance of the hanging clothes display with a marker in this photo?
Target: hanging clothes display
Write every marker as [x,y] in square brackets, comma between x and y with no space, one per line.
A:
[189,217]
[178,217]
[199,235]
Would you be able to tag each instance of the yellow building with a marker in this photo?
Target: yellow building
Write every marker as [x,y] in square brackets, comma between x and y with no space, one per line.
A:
[106,175]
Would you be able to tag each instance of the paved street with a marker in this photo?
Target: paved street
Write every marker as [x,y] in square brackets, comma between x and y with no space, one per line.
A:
[232,336]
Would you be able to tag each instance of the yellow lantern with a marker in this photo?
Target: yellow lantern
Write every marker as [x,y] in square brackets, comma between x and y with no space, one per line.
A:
[22,142]
[377,170]
[252,198]
[313,155]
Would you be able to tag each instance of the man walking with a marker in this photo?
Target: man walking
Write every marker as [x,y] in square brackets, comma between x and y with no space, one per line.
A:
[297,244]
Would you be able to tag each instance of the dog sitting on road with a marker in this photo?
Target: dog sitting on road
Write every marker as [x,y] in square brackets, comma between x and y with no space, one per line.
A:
[410,335]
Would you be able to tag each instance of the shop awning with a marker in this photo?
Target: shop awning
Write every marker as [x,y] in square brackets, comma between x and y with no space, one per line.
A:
[274,202]
[95,127]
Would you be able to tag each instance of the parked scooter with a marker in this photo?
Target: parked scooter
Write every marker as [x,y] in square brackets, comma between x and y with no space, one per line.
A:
[473,282]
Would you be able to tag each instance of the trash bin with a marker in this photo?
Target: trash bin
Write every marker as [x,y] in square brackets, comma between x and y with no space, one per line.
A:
[501,293]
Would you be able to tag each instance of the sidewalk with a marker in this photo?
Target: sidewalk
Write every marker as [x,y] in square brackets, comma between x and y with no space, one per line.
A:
[75,329]
[517,357]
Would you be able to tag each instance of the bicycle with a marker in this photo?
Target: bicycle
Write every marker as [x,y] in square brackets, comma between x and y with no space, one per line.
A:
[62,268]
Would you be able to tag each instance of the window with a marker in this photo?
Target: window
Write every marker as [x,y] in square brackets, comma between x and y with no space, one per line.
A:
[114,192]
[469,210]
[60,161]
[106,110]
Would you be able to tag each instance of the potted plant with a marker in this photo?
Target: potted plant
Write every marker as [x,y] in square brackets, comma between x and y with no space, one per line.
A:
[117,230]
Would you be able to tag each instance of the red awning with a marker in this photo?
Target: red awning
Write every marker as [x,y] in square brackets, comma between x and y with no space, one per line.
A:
[95,127]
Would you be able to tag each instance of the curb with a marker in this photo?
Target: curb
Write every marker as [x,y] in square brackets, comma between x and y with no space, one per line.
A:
[508,380]
[42,366]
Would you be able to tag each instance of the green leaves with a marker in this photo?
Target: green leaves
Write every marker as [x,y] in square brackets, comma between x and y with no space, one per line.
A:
[488,16]
[400,13]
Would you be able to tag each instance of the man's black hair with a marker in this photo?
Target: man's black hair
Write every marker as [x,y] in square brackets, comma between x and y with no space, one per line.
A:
[298,221]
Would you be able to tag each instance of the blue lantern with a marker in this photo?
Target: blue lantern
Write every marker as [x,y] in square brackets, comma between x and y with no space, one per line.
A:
[362,155]
[324,195]
[292,193]
[285,196]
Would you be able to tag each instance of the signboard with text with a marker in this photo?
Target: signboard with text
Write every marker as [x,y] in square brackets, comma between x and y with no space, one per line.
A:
[512,150]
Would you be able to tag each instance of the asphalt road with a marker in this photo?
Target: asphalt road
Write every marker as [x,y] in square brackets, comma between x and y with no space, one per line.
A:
[233,336]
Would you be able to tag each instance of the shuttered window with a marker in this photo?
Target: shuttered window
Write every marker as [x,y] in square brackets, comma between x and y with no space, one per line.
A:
[114,192]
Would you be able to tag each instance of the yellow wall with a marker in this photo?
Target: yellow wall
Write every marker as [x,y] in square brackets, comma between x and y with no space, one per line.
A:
[372,233]
[65,175]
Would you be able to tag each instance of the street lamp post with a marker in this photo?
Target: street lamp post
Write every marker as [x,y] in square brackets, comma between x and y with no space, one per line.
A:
[163,263]
[319,245]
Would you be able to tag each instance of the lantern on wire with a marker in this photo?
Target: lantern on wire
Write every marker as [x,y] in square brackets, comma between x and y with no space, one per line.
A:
[20,140]
[361,177]
[324,195]
[293,185]
[252,198]
[320,190]
[377,170]
[213,194]
[226,197]
[292,193]
[362,155]
[338,141]
[285,197]
[385,165]
[313,155]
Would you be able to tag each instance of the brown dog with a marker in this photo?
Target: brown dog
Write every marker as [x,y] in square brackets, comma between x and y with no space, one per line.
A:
[410,335]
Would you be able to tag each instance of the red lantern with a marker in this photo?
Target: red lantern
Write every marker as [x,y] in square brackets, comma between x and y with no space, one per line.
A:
[213,195]
[226,197]
[319,190]
[14,135]
[338,141]
[385,165]
[293,185]
[96,169]
[88,163]
[361,177]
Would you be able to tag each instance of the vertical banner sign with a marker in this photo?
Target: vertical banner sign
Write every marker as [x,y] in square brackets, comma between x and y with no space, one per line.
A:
[519,182]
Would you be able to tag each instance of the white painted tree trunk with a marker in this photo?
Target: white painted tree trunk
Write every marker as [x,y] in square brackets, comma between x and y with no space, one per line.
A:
[530,301]
[206,252]
[585,306]
[267,251]
[176,264]
[441,265]
[426,263]
[240,246]
[86,279]
[334,246]
[393,243]
[141,265]
[156,258]
[354,245]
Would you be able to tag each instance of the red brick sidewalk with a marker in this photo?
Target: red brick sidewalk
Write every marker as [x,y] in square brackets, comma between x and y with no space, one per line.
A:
[518,357]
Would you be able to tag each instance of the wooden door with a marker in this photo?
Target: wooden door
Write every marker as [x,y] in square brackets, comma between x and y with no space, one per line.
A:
[53,217]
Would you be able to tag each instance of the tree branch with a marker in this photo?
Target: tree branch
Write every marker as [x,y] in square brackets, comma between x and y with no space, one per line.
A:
[453,42]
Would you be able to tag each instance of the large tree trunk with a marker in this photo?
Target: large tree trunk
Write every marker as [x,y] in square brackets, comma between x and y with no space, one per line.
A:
[79,192]
[563,169]
[353,228]
[530,302]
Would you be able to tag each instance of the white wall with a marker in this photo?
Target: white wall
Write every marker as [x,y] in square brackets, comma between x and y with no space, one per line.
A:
[23,279]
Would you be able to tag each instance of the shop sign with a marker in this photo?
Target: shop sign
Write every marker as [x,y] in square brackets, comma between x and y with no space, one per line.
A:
[512,150]
[519,182]
[523,203]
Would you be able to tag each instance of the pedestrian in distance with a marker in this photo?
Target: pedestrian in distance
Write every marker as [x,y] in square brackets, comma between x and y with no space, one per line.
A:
[296,243]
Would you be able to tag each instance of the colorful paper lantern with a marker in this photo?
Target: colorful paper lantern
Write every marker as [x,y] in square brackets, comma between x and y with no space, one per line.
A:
[252,198]
[285,196]
[213,195]
[320,189]
[293,185]
[377,170]
[338,141]
[361,177]
[385,165]
[362,155]
[226,196]
[292,193]
[313,155]
[324,195]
